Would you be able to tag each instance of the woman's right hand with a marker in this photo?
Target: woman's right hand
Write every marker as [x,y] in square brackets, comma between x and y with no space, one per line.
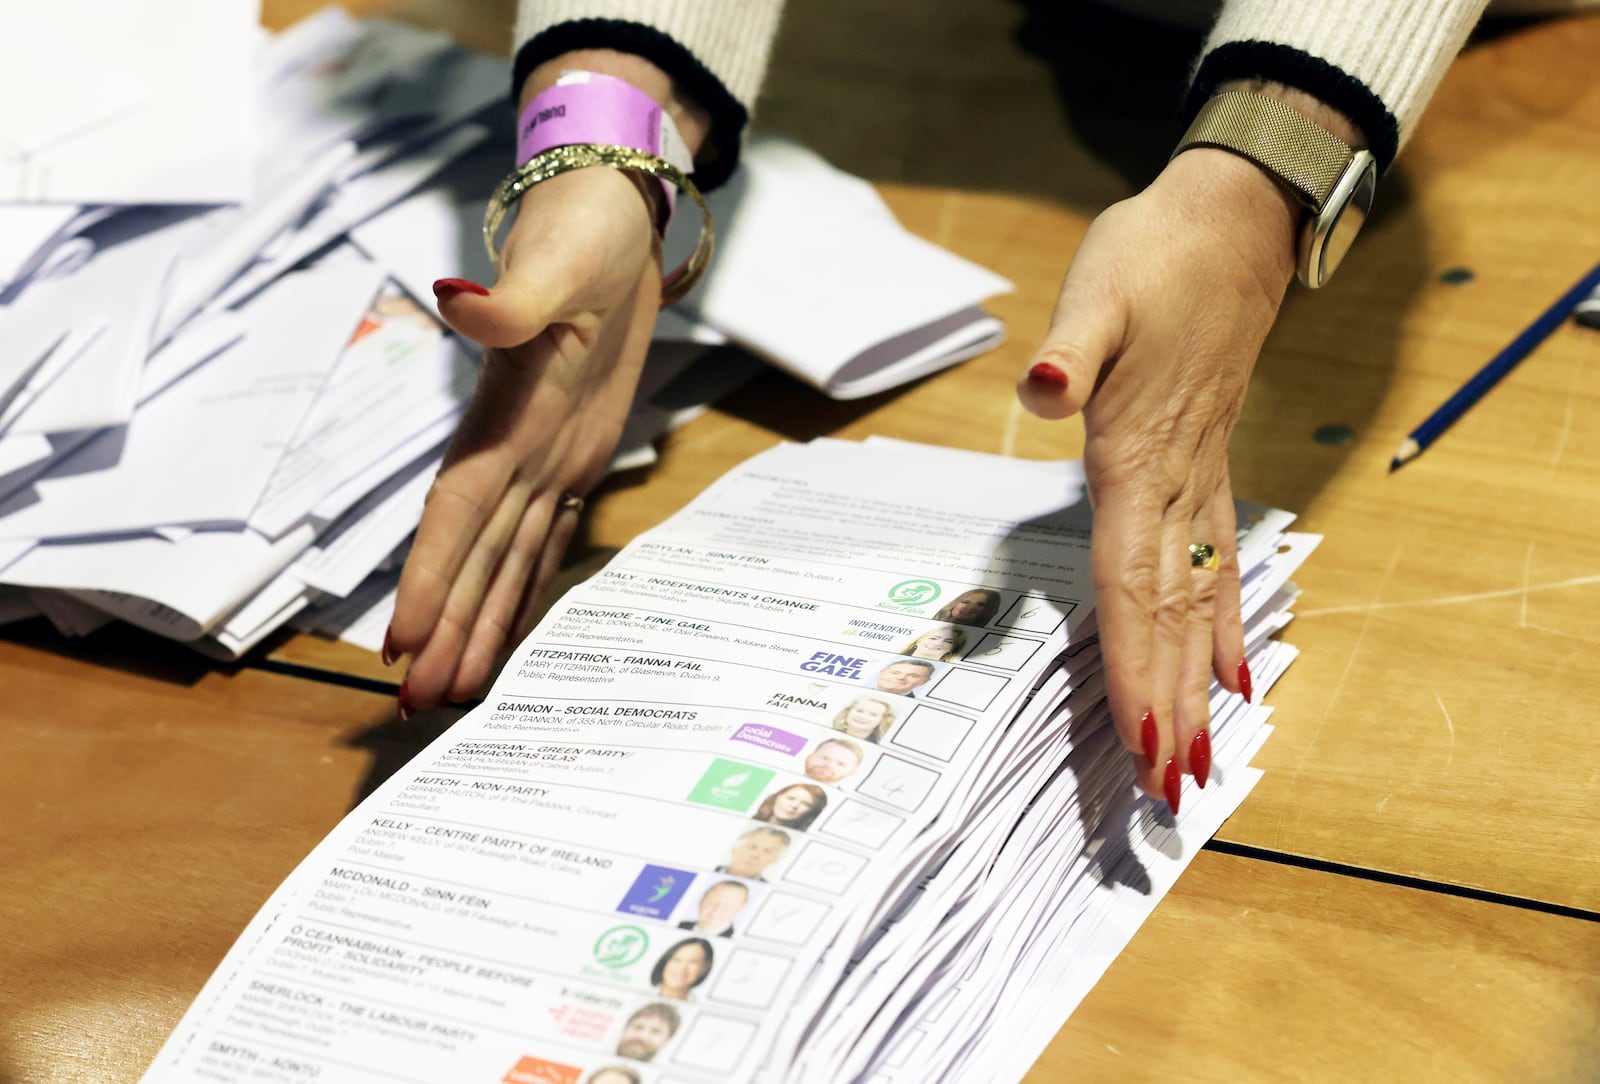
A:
[565,329]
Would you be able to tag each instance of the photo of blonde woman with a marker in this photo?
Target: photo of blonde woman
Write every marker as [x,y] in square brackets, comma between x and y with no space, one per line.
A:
[867,718]
[942,644]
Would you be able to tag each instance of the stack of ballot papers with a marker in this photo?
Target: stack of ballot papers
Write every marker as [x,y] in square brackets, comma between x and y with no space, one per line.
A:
[223,388]
[814,782]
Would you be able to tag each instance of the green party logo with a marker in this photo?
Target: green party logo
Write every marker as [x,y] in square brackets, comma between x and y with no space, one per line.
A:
[728,784]
[913,592]
[620,946]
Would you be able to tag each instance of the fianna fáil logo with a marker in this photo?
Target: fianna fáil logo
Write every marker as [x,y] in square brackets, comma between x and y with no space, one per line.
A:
[913,593]
[620,946]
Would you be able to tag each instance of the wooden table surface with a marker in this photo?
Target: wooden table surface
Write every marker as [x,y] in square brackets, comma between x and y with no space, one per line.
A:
[1411,893]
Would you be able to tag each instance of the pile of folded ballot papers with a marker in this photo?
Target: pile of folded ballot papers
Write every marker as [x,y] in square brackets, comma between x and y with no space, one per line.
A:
[224,390]
[763,800]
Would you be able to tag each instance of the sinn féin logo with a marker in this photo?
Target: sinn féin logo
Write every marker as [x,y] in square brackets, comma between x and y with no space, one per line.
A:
[620,946]
[913,592]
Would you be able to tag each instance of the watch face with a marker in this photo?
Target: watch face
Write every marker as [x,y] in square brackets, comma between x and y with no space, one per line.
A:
[1342,234]
[1329,233]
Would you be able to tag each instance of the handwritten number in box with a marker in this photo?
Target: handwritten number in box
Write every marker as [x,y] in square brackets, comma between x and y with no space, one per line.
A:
[751,979]
[899,783]
[825,868]
[1003,652]
[1035,613]
[857,822]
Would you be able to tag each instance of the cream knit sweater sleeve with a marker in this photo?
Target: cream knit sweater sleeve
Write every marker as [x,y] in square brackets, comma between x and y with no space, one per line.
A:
[716,51]
[1377,61]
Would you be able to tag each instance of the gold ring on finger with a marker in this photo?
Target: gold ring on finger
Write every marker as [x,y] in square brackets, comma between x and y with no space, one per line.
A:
[1204,555]
[569,502]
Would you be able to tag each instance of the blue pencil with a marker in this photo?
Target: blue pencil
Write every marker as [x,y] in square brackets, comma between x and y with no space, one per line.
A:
[1488,376]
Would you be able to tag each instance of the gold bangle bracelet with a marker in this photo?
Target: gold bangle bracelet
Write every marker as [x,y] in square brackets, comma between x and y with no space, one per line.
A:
[556,160]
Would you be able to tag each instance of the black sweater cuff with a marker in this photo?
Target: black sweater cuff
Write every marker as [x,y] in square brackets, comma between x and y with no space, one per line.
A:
[1293,67]
[716,160]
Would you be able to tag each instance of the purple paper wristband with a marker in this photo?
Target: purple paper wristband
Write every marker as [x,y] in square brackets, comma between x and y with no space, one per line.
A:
[587,107]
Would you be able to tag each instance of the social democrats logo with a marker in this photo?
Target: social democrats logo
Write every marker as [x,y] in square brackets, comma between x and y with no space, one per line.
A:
[913,592]
[728,784]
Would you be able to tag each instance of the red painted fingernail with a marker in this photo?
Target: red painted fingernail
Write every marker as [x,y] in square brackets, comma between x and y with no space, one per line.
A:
[1173,785]
[390,655]
[1244,680]
[1200,757]
[402,706]
[1148,737]
[1051,376]
[445,289]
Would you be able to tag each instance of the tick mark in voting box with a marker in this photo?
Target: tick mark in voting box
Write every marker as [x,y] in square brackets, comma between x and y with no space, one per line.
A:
[1036,613]
[787,919]
[968,688]
[713,1042]
[899,783]
[857,822]
[826,868]
[933,733]
[750,978]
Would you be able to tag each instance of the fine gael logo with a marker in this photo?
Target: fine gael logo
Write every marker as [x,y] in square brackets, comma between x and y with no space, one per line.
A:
[913,592]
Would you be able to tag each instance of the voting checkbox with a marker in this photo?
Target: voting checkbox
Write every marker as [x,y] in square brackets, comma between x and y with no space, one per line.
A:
[1004,652]
[899,783]
[933,733]
[857,822]
[826,868]
[968,688]
[714,1043]
[1036,613]
[749,978]
[787,919]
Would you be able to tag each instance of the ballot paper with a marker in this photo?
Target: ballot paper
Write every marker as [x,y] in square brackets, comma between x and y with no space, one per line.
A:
[175,129]
[814,781]
[857,304]
[189,442]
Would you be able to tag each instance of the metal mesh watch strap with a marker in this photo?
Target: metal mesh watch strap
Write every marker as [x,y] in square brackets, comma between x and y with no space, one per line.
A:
[1298,151]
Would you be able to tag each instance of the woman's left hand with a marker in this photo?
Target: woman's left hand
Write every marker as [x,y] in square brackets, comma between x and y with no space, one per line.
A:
[1157,328]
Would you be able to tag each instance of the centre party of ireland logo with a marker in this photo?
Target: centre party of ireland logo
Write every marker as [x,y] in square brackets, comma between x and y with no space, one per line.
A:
[913,592]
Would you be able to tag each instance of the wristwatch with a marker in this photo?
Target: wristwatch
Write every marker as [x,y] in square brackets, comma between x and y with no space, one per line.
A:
[1335,182]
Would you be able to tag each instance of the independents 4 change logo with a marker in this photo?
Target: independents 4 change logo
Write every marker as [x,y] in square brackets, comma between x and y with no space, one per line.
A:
[728,784]
[913,593]
[620,946]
